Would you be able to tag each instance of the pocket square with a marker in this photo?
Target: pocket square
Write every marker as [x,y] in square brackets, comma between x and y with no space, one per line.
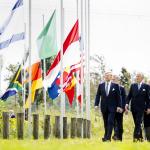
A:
[144,90]
[113,89]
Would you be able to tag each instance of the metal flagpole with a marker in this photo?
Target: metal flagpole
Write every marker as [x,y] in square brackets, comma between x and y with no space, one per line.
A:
[82,54]
[88,62]
[77,74]
[23,73]
[30,69]
[61,79]
[1,65]
[24,90]
[44,65]
[86,53]
[82,60]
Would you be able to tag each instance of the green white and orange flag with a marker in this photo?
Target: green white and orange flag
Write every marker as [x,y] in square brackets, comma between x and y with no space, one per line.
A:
[47,40]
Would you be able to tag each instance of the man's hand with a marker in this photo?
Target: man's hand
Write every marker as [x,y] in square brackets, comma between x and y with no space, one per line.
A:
[148,111]
[126,107]
[126,112]
[119,109]
[96,108]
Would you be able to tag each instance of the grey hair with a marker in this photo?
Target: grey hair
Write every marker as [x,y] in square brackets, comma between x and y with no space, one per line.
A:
[140,73]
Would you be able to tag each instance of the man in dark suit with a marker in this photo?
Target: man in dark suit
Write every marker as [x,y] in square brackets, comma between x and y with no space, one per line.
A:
[147,123]
[118,125]
[140,100]
[147,126]
[109,95]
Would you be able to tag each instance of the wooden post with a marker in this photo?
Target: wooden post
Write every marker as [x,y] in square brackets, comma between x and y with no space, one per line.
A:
[57,127]
[35,126]
[84,128]
[88,129]
[79,127]
[65,128]
[46,126]
[73,127]
[5,125]
[20,125]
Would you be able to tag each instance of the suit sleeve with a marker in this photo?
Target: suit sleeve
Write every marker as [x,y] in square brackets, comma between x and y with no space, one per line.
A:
[123,96]
[119,100]
[97,98]
[129,96]
[148,97]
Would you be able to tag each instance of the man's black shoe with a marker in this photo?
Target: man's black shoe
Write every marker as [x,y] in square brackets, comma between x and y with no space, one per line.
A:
[105,140]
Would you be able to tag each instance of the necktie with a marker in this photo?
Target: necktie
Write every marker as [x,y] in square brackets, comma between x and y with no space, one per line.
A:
[107,90]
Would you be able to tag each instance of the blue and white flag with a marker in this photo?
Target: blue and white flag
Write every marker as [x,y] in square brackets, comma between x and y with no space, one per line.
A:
[13,28]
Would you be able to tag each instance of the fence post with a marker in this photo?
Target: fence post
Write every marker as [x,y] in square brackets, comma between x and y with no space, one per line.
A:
[57,127]
[5,125]
[79,127]
[47,126]
[35,126]
[84,128]
[20,125]
[73,127]
[88,129]
[65,128]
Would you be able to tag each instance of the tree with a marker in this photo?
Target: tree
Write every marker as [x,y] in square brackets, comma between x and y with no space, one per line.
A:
[97,69]
[12,68]
[97,72]
[125,78]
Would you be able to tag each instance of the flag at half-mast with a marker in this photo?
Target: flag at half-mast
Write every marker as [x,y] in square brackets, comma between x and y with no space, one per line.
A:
[71,60]
[71,56]
[47,40]
[36,75]
[15,85]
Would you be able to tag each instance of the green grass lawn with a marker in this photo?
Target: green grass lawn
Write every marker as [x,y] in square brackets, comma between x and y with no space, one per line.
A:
[71,144]
[94,143]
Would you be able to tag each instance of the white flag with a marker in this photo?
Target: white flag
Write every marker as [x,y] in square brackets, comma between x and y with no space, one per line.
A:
[13,28]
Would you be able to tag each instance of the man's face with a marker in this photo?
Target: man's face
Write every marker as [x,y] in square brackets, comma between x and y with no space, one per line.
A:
[108,76]
[115,79]
[139,78]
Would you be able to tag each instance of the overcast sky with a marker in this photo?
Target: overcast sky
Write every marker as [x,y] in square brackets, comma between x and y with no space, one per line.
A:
[120,30]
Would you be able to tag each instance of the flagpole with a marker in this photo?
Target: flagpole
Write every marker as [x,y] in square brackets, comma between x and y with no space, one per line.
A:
[61,78]
[44,66]
[24,90]
[87,59]
[82,61]
[88,63]
[1,65]
[30,69]
[77,74]
[23,74]
[82,54]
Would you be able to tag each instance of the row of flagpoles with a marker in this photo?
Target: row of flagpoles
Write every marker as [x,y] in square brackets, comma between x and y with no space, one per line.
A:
[80,33]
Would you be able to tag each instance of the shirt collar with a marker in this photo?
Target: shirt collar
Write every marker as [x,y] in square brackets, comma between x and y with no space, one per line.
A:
[108,82]
[140,83]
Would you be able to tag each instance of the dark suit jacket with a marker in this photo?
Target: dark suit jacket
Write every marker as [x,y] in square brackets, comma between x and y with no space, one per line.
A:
[110,102]
[140,99]
[123,96]
[146,120]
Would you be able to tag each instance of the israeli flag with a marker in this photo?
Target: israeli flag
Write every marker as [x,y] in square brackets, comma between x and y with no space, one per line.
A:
[13,28]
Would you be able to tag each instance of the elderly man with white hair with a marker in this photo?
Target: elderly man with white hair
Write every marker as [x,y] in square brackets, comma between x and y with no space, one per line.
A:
[139,96]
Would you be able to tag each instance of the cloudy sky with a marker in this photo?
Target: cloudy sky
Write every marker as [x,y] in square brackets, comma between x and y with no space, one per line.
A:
[120,30]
